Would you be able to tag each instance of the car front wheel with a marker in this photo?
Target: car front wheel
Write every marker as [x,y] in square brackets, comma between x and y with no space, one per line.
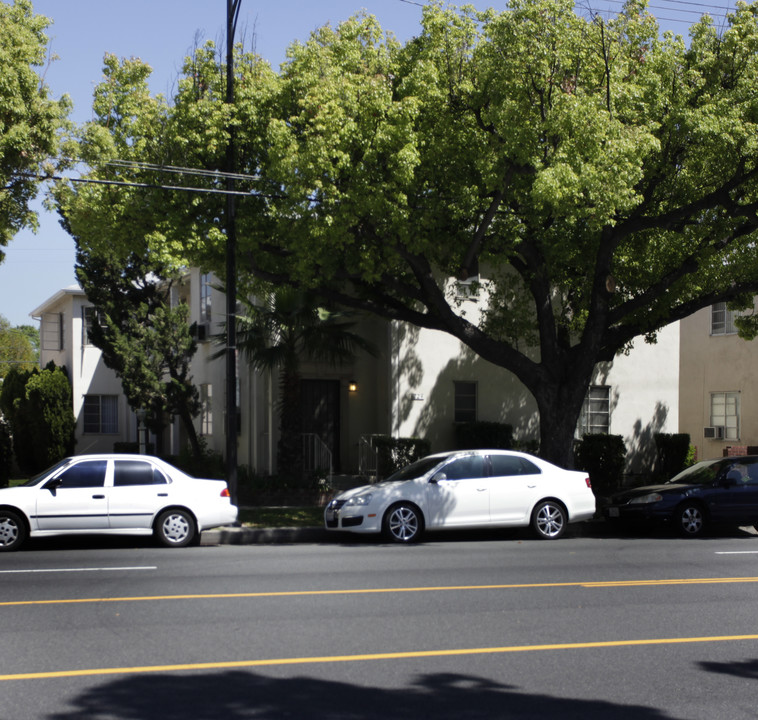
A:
[175,528]
[549,520]
[12,531]
[690,520]
[402,523]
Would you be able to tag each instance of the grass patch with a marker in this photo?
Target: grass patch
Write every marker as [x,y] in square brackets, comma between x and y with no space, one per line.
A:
[265,517]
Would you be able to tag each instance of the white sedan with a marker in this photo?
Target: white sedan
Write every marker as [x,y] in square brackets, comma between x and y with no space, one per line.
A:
[466,489]
[114,495]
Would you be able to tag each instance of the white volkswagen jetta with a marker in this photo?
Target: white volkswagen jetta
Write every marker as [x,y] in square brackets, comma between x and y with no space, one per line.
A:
[466,489]
[114,494]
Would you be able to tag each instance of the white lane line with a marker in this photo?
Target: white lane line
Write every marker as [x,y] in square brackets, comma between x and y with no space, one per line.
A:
[737,552]
[63,570]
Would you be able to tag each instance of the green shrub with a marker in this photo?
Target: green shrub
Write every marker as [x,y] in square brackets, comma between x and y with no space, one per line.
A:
[6,453]
[673,452]
[38,407]
[394,453]
[482,435]
[604,458]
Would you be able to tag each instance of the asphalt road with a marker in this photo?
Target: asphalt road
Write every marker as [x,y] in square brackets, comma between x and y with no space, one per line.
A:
[475,626]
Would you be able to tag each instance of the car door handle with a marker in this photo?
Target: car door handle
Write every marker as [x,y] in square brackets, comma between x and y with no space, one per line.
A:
[162,494]
[531,487]
[98,497]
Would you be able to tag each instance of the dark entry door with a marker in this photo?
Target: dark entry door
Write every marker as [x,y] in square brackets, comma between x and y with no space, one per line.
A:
[321,413]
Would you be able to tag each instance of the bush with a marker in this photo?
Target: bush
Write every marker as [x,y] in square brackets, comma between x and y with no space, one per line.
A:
[6,453]
[394,453]
[38,407]
[483,435]
[604,458]
[673,454]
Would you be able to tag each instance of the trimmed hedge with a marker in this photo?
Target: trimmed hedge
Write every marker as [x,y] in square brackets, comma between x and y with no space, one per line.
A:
[673,451]
[394,453]
[604,458]
[481,435]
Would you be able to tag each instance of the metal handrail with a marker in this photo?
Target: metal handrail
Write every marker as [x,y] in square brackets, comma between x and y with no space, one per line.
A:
[317,455]
[368,456]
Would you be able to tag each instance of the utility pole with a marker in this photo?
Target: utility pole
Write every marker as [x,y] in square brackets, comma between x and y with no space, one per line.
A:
[232,14]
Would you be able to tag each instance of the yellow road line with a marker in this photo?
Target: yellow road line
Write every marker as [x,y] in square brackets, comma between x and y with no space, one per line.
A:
[366,657]
[379,591]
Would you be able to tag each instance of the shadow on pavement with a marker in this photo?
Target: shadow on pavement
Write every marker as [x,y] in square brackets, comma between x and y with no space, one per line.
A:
[238,695]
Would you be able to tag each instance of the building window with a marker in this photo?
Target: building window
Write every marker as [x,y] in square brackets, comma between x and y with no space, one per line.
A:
[88,318]
[722,320]
[465,401]
[52,331]
[725,412]
[206,409]
[595,418]
[205,297]
[101,414]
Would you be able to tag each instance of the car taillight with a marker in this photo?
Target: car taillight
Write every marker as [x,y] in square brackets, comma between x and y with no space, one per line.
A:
[587,480]
[225,492]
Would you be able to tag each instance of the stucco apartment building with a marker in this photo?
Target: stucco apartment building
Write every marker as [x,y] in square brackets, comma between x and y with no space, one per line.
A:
[421,383]
[718,372]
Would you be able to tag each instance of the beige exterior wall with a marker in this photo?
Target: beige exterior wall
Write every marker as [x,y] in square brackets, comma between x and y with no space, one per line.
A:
[716,364]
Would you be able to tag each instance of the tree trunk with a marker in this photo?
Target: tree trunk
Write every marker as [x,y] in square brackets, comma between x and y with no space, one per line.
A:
[560,404]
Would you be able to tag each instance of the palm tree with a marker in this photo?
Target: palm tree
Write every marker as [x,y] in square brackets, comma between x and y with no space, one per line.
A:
[288,327]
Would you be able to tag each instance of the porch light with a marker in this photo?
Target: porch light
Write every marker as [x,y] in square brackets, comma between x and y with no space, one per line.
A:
[352,386]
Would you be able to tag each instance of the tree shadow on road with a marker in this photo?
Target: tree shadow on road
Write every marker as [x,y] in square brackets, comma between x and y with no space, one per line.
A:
[239,695]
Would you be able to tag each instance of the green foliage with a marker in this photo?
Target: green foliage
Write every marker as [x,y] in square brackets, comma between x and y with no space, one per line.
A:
[604,458]
[6,453]
[29,119]
[395,453]
[600,179]
[483,435]
[673,453]
[38,408]
[146,341]
[17,348]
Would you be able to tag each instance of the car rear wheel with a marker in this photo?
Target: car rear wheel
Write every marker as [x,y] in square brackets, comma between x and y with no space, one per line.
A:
[12,531]
[690,520]
[402,523]
[175,528]
[549,520]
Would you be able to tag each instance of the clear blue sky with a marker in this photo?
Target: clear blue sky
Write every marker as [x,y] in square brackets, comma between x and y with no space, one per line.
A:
[162,32]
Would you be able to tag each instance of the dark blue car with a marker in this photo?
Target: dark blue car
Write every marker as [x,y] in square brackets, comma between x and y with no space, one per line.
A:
[722,491]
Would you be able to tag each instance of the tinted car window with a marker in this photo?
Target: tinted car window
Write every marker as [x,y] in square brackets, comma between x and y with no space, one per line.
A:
[415,470]
[83,475]
[136,472]
[465,467]
[510,465]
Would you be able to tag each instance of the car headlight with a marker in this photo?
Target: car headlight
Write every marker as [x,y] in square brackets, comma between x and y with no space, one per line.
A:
[360,499]
[646,499]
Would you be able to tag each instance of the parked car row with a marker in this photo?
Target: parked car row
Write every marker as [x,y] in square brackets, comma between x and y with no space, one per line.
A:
[142,495]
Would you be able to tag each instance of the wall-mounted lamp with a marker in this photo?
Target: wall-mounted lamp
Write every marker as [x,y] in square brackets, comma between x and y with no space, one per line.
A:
[352,386]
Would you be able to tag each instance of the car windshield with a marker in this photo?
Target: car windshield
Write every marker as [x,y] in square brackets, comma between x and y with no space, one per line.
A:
[415,470]
[34,480]
[702,473]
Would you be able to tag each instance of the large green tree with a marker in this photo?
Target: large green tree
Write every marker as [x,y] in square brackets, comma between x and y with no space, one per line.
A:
[145,340]
[29,118]
[599,179]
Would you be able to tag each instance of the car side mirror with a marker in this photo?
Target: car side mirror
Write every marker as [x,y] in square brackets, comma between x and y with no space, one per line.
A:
[53,485]
[436,478]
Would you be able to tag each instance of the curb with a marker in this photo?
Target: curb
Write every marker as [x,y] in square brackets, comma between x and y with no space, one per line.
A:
[232,535]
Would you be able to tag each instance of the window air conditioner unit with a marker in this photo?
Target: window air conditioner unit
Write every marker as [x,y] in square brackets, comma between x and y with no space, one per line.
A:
[714,433]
